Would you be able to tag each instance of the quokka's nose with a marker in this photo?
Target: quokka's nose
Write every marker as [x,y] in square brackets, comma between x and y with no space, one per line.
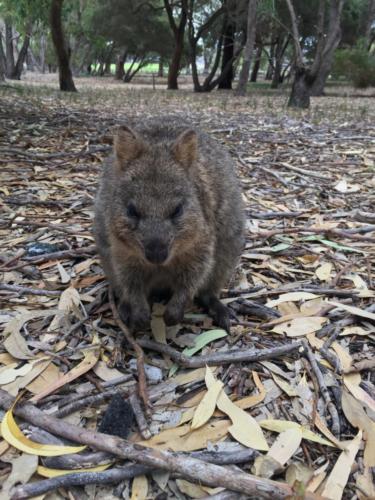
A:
[156,251]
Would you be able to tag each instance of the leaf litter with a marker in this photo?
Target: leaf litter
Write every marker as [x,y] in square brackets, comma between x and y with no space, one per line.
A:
[309,257]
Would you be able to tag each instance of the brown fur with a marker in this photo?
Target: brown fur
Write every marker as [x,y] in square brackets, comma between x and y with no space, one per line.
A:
[168,217]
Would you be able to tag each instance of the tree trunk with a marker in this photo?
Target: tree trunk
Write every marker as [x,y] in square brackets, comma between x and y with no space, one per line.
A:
[178,32]
[3,60]
[17,71]
[278,62]
[9,47]
[249,47]
[161,68]
[300,95]
[174,67]
[120,71]
[257,60]
[62,52]
[324,58]
[42,52]
[227,59]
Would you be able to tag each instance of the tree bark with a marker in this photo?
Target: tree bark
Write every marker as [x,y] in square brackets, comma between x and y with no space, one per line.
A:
[227,71]
[300,94]
[178,32]
[161,68]
[279,57]
[17,70]
[9,51]
[62,51]
[42,52]
[2,61]
[249,47]
[120,71]
[324,55]
[256,66]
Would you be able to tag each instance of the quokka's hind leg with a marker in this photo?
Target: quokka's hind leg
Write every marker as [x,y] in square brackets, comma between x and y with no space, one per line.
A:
[216,309]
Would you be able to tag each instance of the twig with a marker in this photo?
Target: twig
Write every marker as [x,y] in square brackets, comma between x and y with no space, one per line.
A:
[139,417]
[190,468]
[295,230]
[29,291]
[327,398]
[220,358]
[142,384]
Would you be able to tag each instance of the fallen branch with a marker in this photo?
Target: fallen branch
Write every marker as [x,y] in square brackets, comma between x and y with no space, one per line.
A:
[294,230]
[24,290]
[190,468]
[142,384]
[220,358]
[323,387]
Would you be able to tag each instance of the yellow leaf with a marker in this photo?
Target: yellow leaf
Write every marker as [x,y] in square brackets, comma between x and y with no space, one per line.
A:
[89,361]
[352,381]
[291,297]
[14,436]
[207,406]
[287,388]
[190,489]
[353,310]
[283,425]
[324,430]
[286,445]
[69,299]
[139,488]
[46,472]
[324,271]
[300,326]
[254,399]
[356,415]
[339,475]
[245,428]
[181,438]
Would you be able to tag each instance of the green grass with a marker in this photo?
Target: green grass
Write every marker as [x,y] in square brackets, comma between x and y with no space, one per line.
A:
[149,68]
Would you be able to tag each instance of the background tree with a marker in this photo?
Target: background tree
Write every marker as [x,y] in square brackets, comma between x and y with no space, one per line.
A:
[61,48]
[249,47]
[177,17]
[310,80]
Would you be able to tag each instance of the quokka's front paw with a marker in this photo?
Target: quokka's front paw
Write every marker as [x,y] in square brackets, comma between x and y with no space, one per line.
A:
[174,314]
[135,317]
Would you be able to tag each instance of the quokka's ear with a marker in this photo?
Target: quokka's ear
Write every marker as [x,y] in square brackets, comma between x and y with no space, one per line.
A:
[127,145]
[185,147]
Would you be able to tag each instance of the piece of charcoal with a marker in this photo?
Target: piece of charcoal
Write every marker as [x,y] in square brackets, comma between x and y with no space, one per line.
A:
[36,248]
[118,417]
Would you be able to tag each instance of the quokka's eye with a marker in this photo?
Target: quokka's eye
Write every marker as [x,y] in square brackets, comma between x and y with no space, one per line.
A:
[131,211]
[177,212]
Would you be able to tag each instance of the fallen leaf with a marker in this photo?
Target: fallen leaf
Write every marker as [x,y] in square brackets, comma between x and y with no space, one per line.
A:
[336,481]
[356,415]
[245,428]
[285,386]
[283,425]
[190,489]
[323,272]
[23,467]
[14,436]
[285,445]
[91,357]
[300,326]
[356,311]
[207,405]
[69,299]
[139,488]
[352,381]
[47,472]
[291,297]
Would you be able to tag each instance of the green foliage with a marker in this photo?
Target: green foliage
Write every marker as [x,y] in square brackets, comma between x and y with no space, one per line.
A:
[357,65]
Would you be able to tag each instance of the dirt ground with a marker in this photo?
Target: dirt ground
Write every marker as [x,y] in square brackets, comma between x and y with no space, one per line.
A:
[303,416]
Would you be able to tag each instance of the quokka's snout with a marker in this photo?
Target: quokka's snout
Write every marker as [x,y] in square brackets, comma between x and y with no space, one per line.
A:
[156,251]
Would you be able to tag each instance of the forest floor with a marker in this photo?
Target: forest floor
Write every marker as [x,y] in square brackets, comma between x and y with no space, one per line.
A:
[298,366]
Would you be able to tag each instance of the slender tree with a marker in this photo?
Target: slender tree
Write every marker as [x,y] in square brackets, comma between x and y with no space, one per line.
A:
[178,29]
[311,80]
[9,49]
[18,67]
[249,47]
[62,51]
